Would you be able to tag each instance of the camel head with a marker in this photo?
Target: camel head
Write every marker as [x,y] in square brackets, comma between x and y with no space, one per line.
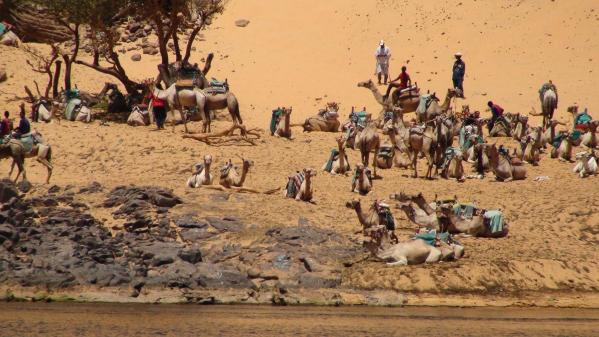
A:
[332,106]
[207,159]
[573,109]
[366,84]
[309,173]
[401,197]
[593,125]
[354,204]
[523,120]
[247,164]
[451,93]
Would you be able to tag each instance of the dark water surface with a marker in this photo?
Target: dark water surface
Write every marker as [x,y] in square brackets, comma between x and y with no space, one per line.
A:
[127,320]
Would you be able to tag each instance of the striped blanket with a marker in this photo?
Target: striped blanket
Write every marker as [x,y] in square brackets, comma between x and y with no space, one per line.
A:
[294,184]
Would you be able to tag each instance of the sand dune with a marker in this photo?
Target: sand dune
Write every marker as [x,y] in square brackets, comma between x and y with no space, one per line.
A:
[304,53]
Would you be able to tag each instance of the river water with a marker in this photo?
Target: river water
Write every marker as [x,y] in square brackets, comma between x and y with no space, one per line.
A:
[127,320]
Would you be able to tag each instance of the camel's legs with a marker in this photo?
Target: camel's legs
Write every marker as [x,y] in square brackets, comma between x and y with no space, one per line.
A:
[12,167]
[374,165]
[402,261]
[48,166]
[415,163]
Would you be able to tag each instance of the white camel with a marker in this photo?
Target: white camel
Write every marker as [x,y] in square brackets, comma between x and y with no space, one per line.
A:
[201,174]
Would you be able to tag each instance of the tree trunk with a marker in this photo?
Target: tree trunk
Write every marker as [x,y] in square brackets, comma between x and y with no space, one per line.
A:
[56,79]
[69,60]
[49,85]
[162,40]
[177,48]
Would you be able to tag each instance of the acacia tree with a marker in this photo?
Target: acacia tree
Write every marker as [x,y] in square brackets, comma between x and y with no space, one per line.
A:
[42,64]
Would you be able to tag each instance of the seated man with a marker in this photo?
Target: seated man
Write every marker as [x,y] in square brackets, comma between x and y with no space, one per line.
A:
[5,125]
[404,82]
[24,127]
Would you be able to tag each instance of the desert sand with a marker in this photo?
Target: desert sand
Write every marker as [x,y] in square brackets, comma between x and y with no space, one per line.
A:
[303,54]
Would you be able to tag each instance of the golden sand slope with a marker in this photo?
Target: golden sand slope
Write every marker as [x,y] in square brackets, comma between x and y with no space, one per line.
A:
[305,53]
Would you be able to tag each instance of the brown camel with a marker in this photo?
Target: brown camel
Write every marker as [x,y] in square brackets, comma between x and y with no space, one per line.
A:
[368,140]
[229,174]
[521,128]
[378,216]
[550,134]
[15,150]
[589,139]
[476,226]
[423,141]
[41,151]
[327,120]
[221,101]
[505,168]
[429,108]
[419,216]
[283,128]
[305,192]
[339,163]
[408,103]
[528,149]
[564,150]
[362,181]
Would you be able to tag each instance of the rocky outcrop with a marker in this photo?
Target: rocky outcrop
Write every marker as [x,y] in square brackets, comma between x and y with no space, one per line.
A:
[32,24]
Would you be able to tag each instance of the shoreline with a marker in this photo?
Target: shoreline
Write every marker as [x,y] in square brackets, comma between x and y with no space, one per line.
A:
[302,297]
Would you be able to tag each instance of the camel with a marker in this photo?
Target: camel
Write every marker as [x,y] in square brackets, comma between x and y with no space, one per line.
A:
[40,110]
[303,192]
[401,156]
[548,106]
[361,182]
[403,253]
[477,226]
[201,174]
[505,168]
[419,216]
[220,101]
[327,120]
[563,150]
[378,216]
[180,98]
[368,140]
[443,137]
[428,208]
[501,128]
[230,177]
[385,159]
[14,149]
[17,151]
[589,139]
[283,125]
[586,164]
[423,141]
[338,163]
[429,108]
[550,134]
[137,117]
[528,149]
[521,128]
[452,166]
[386,104]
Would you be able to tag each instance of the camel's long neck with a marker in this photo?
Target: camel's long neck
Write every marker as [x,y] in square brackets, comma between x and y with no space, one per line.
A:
[377,95]
[244,173]
[424,206]
[446,104]
[341,156]
[392,137]
[207,170]
[286,126]
[494,160]
[361,216]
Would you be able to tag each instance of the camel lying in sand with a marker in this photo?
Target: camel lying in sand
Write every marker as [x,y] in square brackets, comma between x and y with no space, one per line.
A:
[326,120]
[452,166]
[505,168]
[562,148]
[589,139]
[201,174]
[529,150]
[362,180]
[229,174]
[419,216]
[338,162]
[477,225]
[299,186]
[283,126]
[521,128]
[378,215]
[586,164]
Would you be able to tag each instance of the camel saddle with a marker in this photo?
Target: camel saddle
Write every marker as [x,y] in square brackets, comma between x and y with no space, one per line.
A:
[184,83]
[417,129]
[409,92]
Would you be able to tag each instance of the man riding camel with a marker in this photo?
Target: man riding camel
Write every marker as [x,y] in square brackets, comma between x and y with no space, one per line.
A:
[382,55]
[544,88]
[458,73]
[404,82]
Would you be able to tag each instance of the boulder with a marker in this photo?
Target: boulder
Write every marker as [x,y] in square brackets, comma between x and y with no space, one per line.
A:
[7,191]
[3,75]
[136,57]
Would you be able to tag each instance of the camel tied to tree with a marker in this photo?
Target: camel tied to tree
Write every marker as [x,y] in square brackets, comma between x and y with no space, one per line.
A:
[280,124]
[362,180]
[299,186]
[326,120]
[201,173]
[586,164]
[469,220]
[181,98]
[378,216]
[230,176]
[504,167]
[338,162]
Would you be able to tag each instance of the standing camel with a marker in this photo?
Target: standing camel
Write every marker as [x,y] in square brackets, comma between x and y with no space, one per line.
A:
[183,98]
[42,153]
[368,140]
[423,141]
[14,150]
[220,101]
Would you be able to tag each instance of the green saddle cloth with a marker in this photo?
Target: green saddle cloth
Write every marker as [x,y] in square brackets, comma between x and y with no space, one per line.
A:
[329,166]
[495,221]
[27,142]
[275,119]
[431,237]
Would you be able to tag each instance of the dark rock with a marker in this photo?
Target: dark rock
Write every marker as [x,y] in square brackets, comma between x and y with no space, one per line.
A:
[242,23]
[191,255]
[136,57]
[225,224]
[188,221]
[24,186]
[54,189]
[314,280]
[94,187]
[195,234]
[7,191]
[3,76]
[215,276]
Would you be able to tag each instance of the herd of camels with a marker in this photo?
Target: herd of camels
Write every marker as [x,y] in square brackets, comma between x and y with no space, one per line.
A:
[393,143]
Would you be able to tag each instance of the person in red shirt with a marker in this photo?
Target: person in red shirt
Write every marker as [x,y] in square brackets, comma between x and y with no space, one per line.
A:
[404,82]
[159,109]
[496,113]
[5,125]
